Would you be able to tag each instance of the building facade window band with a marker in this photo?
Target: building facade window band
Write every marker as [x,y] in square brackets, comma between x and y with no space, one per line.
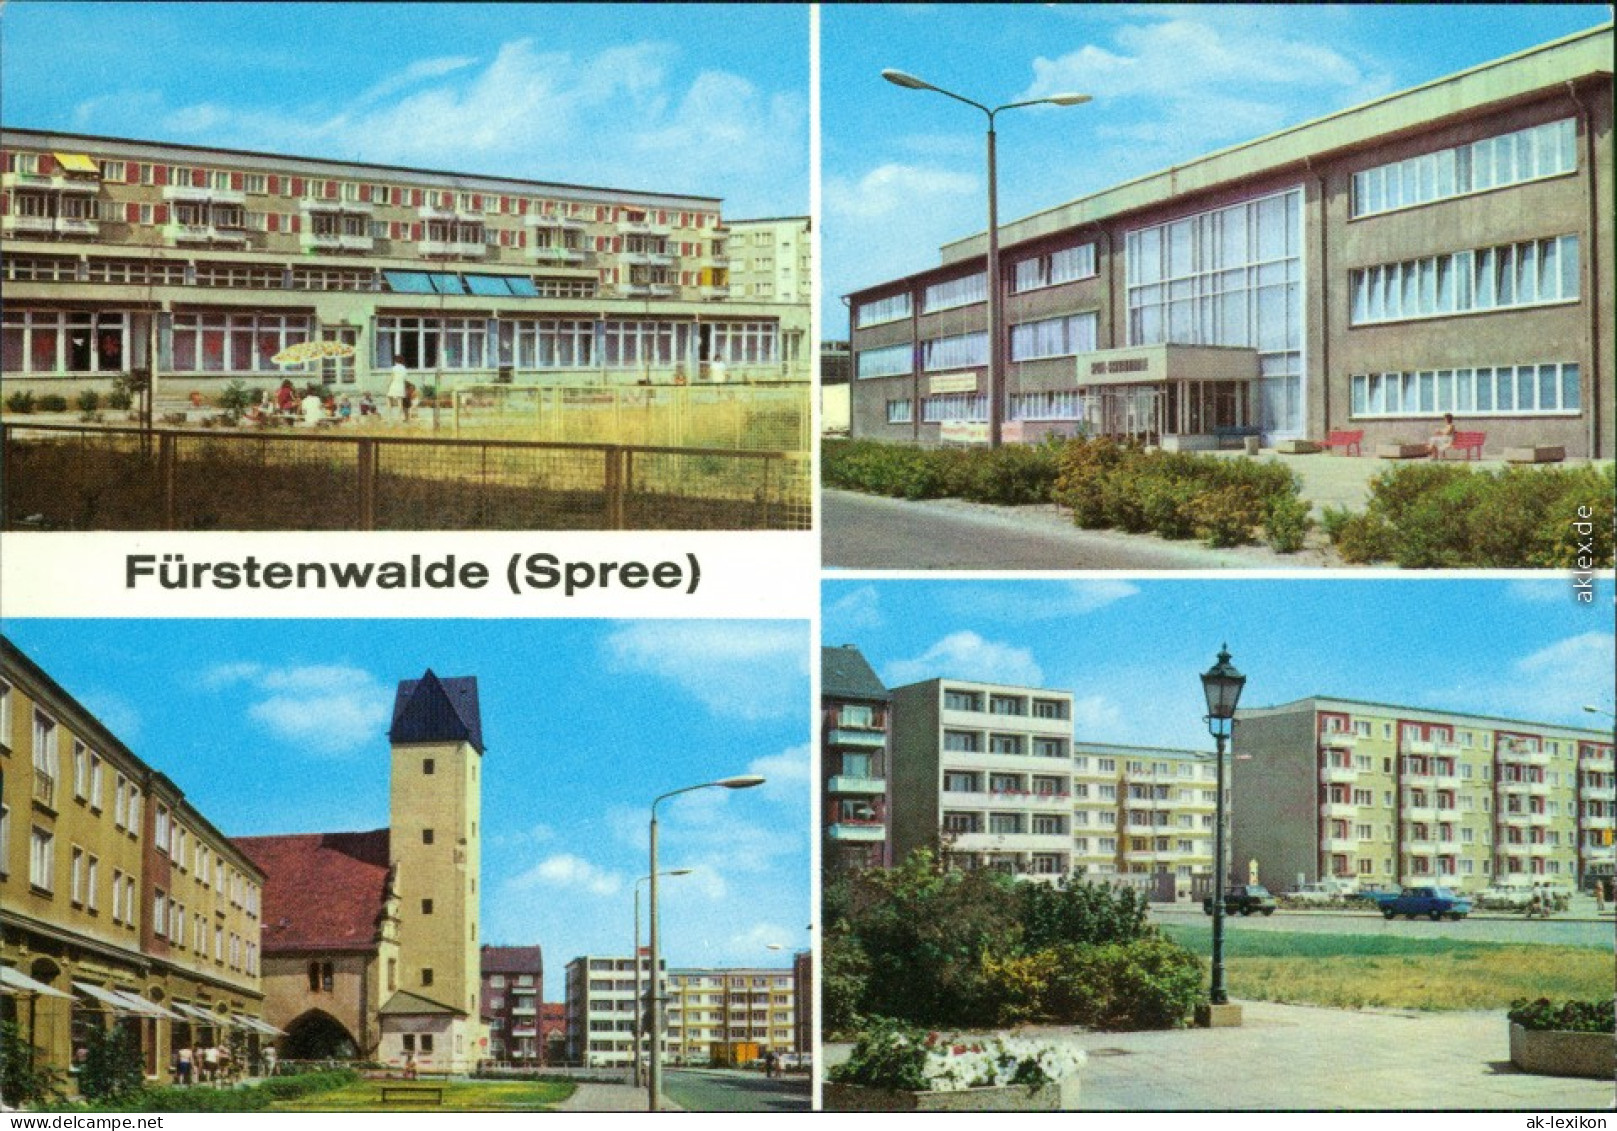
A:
[1064,336]
[1053,268]
[885,361]
[1533,273]
[889,309]
[900,411]
[957,351]
[1548,389]
[1507,159]
[969,407]
[955,292]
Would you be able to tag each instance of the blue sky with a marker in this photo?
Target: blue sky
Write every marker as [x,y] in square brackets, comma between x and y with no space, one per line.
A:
[903,170]
[1132,651]
[281,726]
[706,99]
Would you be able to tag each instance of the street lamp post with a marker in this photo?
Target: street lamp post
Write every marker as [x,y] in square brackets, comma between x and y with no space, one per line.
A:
[996,318]
[639,1001]
[1222,686]
[654,1084]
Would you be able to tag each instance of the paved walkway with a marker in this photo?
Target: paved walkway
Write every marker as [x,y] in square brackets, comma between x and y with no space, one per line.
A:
[1299,1057]
[592,1095]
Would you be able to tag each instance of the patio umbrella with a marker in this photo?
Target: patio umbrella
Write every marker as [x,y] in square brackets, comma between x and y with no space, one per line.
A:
[304,352]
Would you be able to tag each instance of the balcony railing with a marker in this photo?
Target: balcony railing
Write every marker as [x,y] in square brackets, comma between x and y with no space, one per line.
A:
[846,736]
[203,194]
[850,783]
[713,292]
[867,832]
[1338,809]
[644,227]
[44,788]
[1339,740]
[560,223]
[352,207]
[44,224]
[453,249]
[336,241]
[179,233]
[558,254]
[1338,775]
[45,182]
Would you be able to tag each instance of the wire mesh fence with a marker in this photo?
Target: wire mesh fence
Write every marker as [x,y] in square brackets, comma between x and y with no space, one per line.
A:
[76,477]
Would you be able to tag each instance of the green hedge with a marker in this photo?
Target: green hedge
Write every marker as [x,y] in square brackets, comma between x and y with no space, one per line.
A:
[1568,1016]
[1013,475]
[254,1097]
[1435,515]
[1224,502]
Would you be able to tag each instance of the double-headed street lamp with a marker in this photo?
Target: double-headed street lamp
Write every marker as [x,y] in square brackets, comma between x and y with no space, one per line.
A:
[1222,685]
[639,1000]
[996,373]
[654,1083]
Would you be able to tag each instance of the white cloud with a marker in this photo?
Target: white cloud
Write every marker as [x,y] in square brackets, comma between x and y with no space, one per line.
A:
[855,609]
[965,655]
[570,873]
[786,776]
[1542,591]
[1096,715]
[326,708]
[734,668]
[414,73]
[1039,602]
[1551,684]
[891,190]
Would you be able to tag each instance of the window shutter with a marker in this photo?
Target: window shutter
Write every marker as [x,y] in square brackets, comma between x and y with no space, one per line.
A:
[522,206]
[477,202]
[274,185]
[199,178]
[159,174]
[160,214]
[365,193]
[272,221]
[297,186]
[236,182]
[415,231]
[132,213]
[331,190]
[47,163]
[297,223]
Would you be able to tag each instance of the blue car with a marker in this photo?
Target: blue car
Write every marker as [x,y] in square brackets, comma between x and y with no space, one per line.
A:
[1433,902]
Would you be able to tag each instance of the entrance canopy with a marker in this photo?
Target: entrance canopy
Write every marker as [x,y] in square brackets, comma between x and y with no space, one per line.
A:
[1154,365]
[1182,397]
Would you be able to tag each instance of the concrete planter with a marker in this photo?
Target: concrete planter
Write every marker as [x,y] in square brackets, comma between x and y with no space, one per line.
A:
[1552,1052]
[1062,1096]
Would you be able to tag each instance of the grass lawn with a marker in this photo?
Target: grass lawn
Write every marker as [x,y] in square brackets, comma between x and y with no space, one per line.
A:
[459,1095]
[1349,971]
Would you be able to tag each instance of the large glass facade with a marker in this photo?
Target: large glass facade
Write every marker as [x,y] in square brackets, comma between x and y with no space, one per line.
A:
[1229,277]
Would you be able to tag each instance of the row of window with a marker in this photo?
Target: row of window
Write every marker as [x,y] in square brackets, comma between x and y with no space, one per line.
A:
[955,292]
[1493,278]
[971,741]
[1053,268]
[1507,159]
[221,180]
[1544,389]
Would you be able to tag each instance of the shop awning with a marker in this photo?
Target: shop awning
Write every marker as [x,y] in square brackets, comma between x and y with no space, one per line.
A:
[196,1014]
[258,1026]
[77,163]
[148,1008]
[106,997]
[13,981]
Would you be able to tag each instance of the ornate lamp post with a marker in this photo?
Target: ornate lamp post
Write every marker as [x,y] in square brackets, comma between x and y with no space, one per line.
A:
[1222,685]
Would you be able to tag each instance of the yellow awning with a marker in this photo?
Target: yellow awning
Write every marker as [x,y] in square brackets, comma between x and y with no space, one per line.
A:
[77,163]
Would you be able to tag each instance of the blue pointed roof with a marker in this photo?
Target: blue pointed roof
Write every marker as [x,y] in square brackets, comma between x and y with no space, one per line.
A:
[430,709]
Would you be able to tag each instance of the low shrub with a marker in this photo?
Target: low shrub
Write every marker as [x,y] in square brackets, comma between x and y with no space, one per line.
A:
[1568,1016]
[88,400]
[52,402]
[20,401]
[1450,516]
[1149,983]
[1287,524]
[888,1055]
[257,1097]
[1014,475]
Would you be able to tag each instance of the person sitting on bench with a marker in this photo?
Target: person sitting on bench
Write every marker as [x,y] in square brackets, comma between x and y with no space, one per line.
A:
[1443,439]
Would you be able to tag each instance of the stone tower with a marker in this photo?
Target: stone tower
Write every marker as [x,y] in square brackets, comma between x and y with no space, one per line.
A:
[436,819]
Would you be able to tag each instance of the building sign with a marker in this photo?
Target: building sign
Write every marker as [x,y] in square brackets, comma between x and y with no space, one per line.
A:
[952,383]
[963,432]
[1119,365]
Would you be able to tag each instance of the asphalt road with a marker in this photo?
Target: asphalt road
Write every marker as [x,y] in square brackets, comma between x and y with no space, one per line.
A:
[871,532]
[1560,932]
[720,1089]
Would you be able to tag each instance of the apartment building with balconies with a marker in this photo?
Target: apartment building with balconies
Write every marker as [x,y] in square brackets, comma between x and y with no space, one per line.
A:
[1326,787]
[120,903]
[772,259]
[1144,815]
[854,757]
[600,999]
[204,263]
[512,999]
[983,773]
[730,1016]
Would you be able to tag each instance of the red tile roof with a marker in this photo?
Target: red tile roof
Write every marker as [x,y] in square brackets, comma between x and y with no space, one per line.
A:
[324,891]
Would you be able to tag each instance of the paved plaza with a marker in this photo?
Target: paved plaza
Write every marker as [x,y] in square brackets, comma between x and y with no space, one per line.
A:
[1299,1057]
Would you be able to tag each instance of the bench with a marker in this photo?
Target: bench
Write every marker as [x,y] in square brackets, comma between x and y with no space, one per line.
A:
[413,1093]
[1235,432]
[1468,442]
[1349,442]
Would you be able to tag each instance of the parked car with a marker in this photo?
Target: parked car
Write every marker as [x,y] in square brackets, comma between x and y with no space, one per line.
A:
[1434,903]
[1323,894]
[1378,895]
[1244,899]
[1506,897]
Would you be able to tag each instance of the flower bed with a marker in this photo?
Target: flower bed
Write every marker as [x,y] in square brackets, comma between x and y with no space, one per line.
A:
[896,1068]
[1576,1038]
